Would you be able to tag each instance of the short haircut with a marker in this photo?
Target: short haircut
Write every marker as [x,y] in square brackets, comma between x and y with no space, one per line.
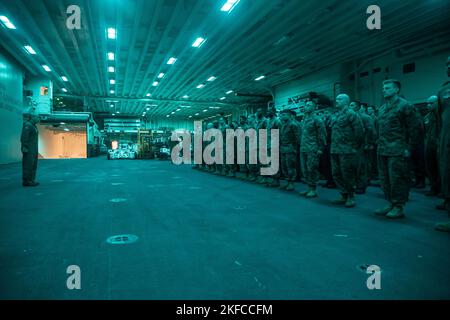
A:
[393,81]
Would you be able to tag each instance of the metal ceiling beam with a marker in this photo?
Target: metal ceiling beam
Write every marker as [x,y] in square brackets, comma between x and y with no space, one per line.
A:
[149,100]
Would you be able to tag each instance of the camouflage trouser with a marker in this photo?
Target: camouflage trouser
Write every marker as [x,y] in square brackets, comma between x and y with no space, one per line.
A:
[289,165]
[394,178]
[310,167]
[344,168]
[29,167]
[373,163]
[362,175]
[253,170]
[276,175]
[444,163]
[432,166]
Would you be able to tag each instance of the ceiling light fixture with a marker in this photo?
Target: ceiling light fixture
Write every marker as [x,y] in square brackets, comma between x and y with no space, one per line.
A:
[223,98]
[199,42]
[161,75]
[46,68]
[171,61]
[155,83]
[231,91]
[260,78]
[111,56]
[64,89]
[229,5]
[110,69]
[7,23]
[64,78]
[30,50]
[112,81]
[200,86]
[111,33]
[211,79]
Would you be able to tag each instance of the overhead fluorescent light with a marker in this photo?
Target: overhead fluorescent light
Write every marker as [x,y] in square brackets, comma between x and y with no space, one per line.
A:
[200,86]
[147,109]
[260,78]
[190,116]
[110,69]
[185,96]
[112,81]
[30,50]
[231,91]
[112,106]
[205,110]
[7,23]
[197,114]
[148,94]
[64,89]
[64,78]
[198,42]
[173,112]
[111,33]
[111,56]
[46,68]
[171,61]
[212,79]
[185,106]
[62,123]
[117,111]
[65,129]
[155,83]
[229,5]
[223,98]
[168,116]
[161,75]
[112,91]
[178,109]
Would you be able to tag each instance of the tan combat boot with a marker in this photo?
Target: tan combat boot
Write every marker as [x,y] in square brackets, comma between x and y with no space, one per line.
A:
[396,212]
[311,193]
[290,186]
[350,203]
[341,200]
[443,226]
[384,211]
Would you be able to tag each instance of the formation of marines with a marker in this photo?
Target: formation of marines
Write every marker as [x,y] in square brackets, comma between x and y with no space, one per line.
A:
[356,142]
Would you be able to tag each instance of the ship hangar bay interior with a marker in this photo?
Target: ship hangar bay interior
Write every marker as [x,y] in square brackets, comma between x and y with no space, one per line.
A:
[106,91]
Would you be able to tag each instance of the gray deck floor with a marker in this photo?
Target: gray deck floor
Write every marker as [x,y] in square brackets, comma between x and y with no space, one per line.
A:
[206,237]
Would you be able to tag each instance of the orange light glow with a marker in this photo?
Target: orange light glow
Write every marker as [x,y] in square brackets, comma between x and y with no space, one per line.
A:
[114,145]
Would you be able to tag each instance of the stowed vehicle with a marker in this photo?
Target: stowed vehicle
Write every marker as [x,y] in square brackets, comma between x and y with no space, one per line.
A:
[122,151]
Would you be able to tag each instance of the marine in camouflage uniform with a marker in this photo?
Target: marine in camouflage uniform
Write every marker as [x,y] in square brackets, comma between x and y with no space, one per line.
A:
[313,138]
[397,134]
[347,134]
[243,167]
[29,148]
[444,147]
[289,134]
[233,168]
[222,169]
[262,123]
[252,168]
[363,172]
[431,146]
[211,167]
[273,122]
